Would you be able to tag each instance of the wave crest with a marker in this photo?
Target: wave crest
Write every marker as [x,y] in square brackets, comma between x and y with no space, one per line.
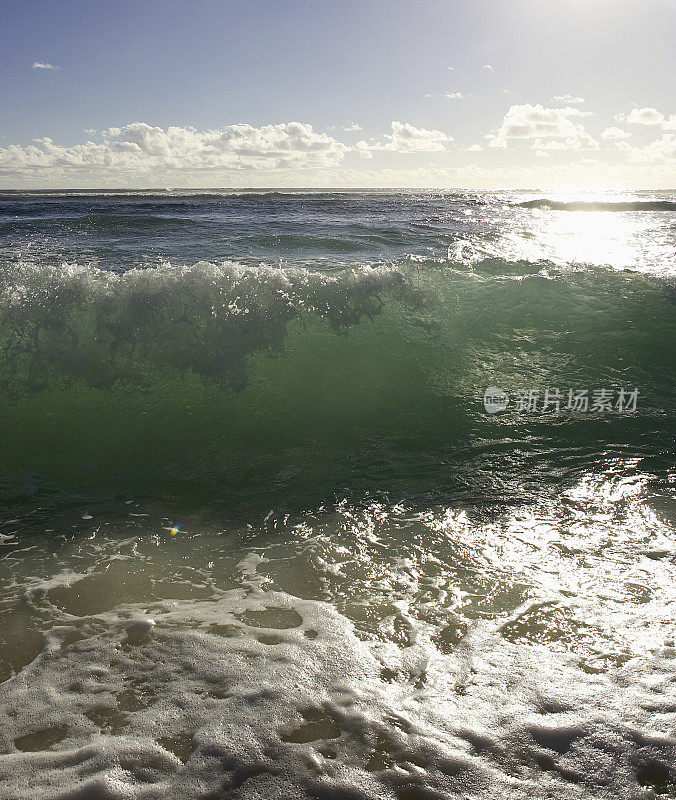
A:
[80,321]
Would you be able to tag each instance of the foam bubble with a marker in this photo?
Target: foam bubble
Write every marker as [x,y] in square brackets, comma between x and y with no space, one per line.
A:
[368,652]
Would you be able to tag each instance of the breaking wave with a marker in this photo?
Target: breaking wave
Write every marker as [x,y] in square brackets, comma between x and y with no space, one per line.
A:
[240,381]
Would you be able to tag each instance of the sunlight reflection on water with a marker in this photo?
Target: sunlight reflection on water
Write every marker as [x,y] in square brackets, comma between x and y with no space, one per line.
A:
[623,240]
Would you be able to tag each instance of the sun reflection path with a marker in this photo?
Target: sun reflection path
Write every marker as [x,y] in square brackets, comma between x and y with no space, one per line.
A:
[640,240]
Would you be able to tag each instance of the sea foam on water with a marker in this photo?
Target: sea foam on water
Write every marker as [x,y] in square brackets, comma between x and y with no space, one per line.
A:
[368,652]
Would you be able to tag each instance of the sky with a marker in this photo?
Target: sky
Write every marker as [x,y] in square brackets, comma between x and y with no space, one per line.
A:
[350,93]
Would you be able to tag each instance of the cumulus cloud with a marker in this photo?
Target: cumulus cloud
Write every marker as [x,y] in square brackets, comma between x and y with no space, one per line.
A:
[474,148]
[614,134]
[550,128]
[662,149]
[44,65]
[406,138]
[650,117]
[352,126]
[452,69]
[567,98]
[139,147]
[487,67]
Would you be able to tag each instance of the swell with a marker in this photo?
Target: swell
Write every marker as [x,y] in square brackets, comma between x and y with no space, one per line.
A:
[580,205]
[250,383]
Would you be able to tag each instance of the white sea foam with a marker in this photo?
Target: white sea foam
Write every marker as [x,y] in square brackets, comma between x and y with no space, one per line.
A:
[377,652]
[233,695]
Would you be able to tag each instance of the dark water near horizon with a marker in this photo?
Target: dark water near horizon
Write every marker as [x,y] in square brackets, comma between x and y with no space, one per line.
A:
[260,536]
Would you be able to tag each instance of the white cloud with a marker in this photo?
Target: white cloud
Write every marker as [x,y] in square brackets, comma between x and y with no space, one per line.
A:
[44,65]
[452,69]
[365,149]
[569,143]
[447,95]
[642,116]
[487,67]
[139,147]
[544,173]
[543,125]
[352,126]
[650,117]
[567,98]
[614,134]
[293,154]
[406,138]
[661,150]
[664,148]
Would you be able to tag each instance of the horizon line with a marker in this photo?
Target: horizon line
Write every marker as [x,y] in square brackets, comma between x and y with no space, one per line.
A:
[163,189]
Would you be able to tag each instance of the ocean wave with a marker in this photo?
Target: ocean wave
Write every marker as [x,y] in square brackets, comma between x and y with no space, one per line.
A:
[583,205]
[210,316]
[82,321]
[244,381]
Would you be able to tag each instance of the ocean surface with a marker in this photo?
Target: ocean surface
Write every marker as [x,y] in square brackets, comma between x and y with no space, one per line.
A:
[264,533]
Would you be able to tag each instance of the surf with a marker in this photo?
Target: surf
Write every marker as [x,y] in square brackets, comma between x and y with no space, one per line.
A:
[249,382]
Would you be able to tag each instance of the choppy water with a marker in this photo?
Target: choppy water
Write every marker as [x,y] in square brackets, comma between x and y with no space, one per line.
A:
[260,537]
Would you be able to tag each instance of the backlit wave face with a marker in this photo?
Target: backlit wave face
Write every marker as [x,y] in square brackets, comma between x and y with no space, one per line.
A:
[243,383]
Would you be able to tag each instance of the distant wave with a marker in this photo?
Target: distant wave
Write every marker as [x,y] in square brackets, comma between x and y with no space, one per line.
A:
[583,205]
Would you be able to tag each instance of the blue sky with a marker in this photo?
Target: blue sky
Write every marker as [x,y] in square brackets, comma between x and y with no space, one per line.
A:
[189,71]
